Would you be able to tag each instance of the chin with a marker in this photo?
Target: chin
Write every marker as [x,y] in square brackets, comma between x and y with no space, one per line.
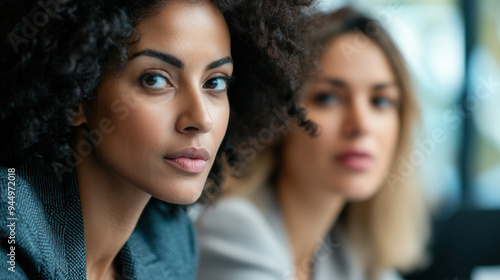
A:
[181,193]
[357,191]
[185,200]
[360,196]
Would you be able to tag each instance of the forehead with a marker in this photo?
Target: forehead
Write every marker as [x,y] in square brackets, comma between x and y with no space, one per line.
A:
[356,59]
[182,25]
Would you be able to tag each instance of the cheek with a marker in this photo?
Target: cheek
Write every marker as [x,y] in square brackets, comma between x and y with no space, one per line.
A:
[324,143]
[142,122]
[145,127]
[387,138]
[219,113]
[139,127]
[306,155]
[391,134]
[313,154]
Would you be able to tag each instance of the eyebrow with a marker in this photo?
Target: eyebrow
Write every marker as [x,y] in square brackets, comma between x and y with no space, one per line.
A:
[170,59]
[382,86]
[220,62]
[334,82]
[174,61]
[343,84]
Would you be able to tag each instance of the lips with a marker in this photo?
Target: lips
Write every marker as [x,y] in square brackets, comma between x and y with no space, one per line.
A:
[355,160]
[191,160]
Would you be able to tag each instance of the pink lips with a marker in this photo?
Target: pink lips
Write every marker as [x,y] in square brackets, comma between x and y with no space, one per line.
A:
[355,160]
[191,160]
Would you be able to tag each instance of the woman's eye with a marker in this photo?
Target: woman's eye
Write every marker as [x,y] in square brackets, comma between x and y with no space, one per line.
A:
[219,83]
[326,98]
[382,102]
[154,81]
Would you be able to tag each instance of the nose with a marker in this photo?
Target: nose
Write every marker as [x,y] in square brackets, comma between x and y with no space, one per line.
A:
[194,115]
[356,118]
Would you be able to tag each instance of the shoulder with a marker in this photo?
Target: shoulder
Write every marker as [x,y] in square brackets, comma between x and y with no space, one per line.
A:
[42,217]
[236,220]
[237,240]
[232,211]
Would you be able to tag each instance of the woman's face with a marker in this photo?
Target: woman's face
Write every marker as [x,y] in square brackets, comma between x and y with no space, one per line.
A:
[354,100]
[166,113]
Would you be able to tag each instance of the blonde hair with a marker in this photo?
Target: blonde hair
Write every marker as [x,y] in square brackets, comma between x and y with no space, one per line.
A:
[391,229]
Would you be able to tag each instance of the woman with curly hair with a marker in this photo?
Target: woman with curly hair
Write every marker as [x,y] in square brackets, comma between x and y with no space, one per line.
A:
[112,115]
[336,206]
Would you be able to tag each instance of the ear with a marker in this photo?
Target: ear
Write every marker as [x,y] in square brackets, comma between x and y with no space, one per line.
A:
[79,117]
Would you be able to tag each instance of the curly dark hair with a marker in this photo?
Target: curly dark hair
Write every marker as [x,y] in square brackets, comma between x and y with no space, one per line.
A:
[54,52]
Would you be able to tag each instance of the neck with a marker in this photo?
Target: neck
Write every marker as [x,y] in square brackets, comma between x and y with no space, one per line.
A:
[111,208]
[309,214]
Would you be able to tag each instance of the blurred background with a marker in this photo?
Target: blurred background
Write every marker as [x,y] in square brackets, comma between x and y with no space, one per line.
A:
[453,52]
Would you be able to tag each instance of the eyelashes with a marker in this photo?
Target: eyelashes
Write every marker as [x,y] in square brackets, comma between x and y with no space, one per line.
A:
[219,83]
[383,102]
[334,99]
[326,99]
[153,81]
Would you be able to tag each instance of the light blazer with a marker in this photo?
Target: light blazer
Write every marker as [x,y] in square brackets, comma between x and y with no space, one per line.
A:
[244,238]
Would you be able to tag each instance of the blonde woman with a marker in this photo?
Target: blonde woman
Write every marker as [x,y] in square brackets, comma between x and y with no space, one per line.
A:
[333,206]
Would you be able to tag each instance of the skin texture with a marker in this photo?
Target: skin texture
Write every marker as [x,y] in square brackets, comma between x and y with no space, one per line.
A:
[354,100]
[152,123]
[149,116]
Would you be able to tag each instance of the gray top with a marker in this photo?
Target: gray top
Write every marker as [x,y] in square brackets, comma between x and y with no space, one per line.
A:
[244,238]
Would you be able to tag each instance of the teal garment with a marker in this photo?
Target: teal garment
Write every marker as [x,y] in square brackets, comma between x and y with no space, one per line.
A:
[48,233]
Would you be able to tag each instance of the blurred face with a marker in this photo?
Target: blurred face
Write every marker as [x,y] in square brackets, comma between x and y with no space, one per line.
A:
[166,114]
[354,100]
